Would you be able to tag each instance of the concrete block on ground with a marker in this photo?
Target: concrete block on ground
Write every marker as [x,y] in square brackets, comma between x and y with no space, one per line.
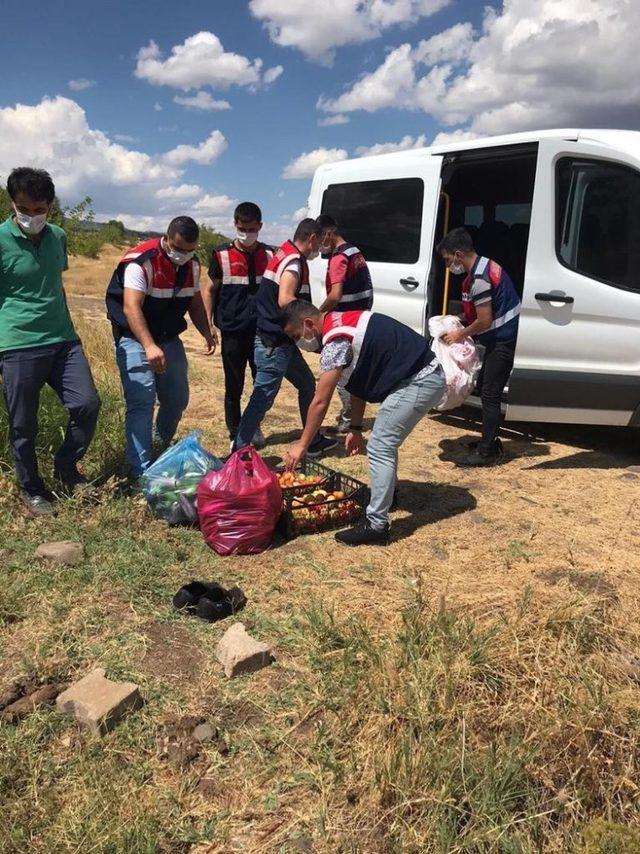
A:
[239,653]
[97,703]
[65,552]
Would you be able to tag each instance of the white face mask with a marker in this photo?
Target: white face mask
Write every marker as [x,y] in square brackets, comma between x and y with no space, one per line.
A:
[176,256]
[30,224]
[247,238]
[309,345]
[456,268]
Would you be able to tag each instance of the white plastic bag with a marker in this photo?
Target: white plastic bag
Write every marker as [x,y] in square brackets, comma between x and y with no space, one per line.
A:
[460,362]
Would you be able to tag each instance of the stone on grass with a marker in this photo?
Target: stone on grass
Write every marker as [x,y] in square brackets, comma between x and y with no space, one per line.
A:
[97,703]
[239,653]
[204,733]
[20,708]
[65,552]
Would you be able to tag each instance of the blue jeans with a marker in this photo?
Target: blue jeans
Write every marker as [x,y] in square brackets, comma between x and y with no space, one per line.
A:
[398,415]
[141,388]
[64,367]
[273,364]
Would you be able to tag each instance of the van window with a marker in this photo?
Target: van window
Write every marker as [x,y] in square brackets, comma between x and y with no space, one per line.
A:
[382,218]
[473,215]
[513,213]
[598,220]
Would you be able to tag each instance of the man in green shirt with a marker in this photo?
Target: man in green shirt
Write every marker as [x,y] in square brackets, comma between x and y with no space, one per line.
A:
[38,344]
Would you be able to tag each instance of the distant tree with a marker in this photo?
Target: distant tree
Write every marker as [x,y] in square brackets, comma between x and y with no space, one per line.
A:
[209,239]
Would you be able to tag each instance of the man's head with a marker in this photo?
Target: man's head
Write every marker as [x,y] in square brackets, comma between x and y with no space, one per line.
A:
[306,238]
[32,193]
[247,219]
[302,322]
[328,234]
[457,251]
[181,239]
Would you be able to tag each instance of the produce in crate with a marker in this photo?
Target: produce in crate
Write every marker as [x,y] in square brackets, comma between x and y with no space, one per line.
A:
[289,479]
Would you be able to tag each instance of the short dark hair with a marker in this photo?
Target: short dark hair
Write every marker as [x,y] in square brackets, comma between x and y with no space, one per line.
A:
[185,227]
[326,224]
[248,212]
[458,240]
[34,183]
[296,311]
[306,228]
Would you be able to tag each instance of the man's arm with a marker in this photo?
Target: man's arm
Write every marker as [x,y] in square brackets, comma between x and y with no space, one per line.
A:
[287,288]
[315,416]
[353,442]
[484,319]
[133,302]
[209,289]
[200,320]
[332,300]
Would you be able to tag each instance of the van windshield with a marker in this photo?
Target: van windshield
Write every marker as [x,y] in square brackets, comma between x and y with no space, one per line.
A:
[382,218]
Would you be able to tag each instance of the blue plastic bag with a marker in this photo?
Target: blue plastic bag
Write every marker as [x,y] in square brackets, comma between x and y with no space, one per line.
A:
[170,484]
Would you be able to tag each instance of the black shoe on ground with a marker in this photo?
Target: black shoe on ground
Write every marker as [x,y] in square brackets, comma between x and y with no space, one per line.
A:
[363,535]
[321,446]
[37,505]
[73,481]
[478,458]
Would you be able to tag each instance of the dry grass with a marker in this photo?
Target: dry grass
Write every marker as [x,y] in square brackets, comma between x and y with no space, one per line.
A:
[470,688]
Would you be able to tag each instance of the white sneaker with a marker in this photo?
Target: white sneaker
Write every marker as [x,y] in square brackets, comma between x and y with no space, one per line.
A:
[259,440]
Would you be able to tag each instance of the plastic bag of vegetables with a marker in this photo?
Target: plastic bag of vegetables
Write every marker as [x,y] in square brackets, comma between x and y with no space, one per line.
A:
[170,484]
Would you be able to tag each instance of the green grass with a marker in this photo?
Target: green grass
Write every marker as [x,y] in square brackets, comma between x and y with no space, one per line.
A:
[428,731]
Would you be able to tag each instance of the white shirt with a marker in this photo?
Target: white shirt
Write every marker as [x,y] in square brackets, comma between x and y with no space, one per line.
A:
[134,277]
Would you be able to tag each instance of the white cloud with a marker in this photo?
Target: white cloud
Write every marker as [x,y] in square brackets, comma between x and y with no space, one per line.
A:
[200,61]
[213,205]
[329,121]
[272,74]
[124,183]
[81,83]
[317,30]
[124,137]
[299,214]
[306,164]
[201,101]
[157,107]
[452,136]
[406,143]
[205,153]
[533,64]
[183,191]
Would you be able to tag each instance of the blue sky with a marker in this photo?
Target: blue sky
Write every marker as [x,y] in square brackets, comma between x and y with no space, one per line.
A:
[88,91]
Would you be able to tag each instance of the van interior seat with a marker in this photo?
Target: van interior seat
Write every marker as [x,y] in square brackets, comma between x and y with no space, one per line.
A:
[494,242]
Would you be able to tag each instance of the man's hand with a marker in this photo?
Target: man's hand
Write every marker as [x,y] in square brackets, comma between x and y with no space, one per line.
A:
[211,342]
[454,337]
[354,444]
[156,359]
[294,455]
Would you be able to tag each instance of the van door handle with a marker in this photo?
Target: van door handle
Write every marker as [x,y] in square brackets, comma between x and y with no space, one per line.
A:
[554,298]
[410,283]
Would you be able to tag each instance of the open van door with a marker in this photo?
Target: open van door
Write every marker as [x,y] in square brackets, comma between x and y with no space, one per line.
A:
[578,351]
[387,206]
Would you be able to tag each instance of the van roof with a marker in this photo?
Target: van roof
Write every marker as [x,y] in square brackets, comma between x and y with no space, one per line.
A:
[623,140]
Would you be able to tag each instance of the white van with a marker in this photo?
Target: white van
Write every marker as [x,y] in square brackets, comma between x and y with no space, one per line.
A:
[559,209]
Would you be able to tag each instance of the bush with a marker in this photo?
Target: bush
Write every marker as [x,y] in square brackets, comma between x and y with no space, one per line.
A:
[209,239]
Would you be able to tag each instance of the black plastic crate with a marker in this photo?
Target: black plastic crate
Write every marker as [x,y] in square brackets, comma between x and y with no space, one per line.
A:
[322,515]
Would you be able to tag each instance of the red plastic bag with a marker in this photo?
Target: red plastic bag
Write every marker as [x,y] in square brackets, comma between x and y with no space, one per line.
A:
[239,506]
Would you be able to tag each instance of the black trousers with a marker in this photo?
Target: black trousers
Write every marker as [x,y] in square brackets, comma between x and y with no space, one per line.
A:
[237,353]
[496,369]
[24,372]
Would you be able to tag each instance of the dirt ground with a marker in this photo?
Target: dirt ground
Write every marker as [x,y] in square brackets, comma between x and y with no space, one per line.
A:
[561,512]
[479,667]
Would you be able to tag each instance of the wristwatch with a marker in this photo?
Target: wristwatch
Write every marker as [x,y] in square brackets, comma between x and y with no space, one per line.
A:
[355,428]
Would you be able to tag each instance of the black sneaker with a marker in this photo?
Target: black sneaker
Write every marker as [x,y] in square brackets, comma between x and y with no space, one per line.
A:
[72,481]
[321,446]
[38,506]
[363,535]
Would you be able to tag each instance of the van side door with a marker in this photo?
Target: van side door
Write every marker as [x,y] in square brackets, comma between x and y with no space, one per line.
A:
[578,350]
[387,207]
